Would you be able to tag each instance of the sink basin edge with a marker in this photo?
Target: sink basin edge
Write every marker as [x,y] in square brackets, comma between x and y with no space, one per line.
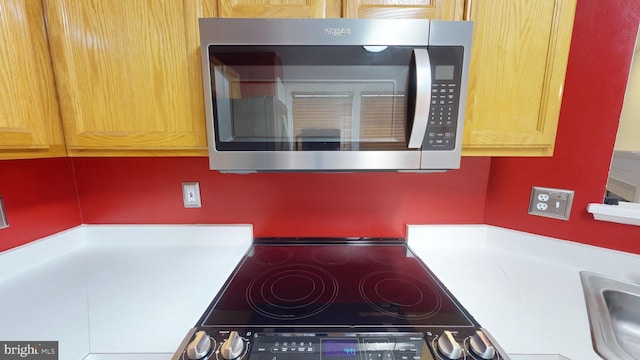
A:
[603,312]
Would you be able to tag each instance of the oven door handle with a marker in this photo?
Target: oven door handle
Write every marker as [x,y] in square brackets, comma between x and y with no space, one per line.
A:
[422,99]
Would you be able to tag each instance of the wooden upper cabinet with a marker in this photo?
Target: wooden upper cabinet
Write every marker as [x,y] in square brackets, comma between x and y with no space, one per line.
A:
[29,116]
[128,76]
[279,8]
[128,73]
[405,9]
[518,65]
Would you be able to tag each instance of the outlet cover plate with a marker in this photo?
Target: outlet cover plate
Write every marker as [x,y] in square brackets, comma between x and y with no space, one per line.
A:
[550,202]
[191,194]
[3,216]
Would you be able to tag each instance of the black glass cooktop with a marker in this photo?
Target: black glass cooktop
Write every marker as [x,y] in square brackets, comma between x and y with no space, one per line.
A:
[333,283]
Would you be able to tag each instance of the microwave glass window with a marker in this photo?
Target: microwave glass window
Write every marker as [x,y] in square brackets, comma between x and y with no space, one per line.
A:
[322,120]
[383,121]
[311,98]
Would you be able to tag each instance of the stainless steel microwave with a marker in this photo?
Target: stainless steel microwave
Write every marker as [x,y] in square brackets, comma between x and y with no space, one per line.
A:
[334,94]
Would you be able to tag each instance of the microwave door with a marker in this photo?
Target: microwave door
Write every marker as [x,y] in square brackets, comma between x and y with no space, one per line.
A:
[418,114]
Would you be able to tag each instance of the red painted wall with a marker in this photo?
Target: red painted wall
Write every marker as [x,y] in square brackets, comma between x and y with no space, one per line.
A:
[148,190]
[603,41]
[40,199]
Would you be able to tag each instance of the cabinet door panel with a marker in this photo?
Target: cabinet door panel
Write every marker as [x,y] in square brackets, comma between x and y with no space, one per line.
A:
[124,71]
[29,116]
[407,9]
[518,64]
[276,9]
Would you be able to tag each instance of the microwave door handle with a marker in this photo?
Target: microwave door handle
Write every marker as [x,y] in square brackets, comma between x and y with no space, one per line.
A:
[423,98]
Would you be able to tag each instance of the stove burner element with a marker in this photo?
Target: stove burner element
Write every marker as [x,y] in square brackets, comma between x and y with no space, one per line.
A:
[331,256]
[292,292]
[399,292]
[400,295]
[394,256]
[271,256]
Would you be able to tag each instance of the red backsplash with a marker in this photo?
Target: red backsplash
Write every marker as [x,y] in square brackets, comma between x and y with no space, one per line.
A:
[148,190]
[40,199]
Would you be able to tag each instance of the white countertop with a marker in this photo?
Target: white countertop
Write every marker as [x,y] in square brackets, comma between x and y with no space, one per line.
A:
[524,289]
[113,290]
[116,289]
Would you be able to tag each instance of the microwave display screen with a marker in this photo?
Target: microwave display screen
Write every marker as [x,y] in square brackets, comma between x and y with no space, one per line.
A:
[444,72]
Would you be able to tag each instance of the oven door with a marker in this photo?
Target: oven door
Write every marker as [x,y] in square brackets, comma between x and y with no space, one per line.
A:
[317,105]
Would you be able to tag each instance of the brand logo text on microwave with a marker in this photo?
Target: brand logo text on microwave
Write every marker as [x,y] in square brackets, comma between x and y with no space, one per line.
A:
[337,31]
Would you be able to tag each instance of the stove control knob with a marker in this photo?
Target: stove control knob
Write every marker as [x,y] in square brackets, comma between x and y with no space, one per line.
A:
[199,347]
[449,347]
[481,346]
[233,347]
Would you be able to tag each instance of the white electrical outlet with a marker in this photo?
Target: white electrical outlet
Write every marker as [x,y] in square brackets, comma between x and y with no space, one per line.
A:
[3,216]
[191,194]
[553,203]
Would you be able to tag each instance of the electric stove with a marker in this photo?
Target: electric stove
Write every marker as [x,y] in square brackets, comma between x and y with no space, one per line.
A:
[335,299]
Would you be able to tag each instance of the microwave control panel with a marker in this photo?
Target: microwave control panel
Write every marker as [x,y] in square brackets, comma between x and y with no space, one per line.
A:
[446,75]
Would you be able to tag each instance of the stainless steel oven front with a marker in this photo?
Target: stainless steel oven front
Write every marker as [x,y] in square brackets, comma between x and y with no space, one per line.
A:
[334,94]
